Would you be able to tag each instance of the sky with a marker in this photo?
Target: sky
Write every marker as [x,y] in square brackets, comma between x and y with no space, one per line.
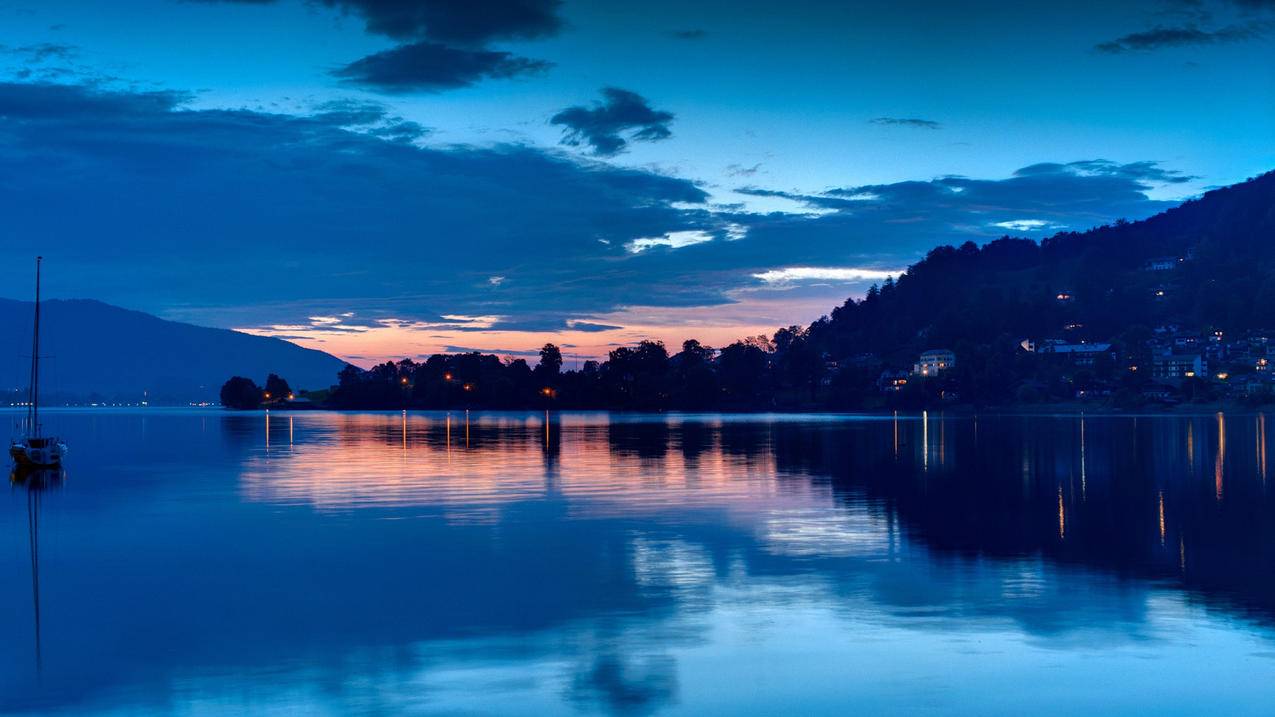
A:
[383,179]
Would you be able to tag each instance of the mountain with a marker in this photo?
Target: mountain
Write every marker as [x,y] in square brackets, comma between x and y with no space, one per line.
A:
[1207,263]
[122,355]
[1205,266]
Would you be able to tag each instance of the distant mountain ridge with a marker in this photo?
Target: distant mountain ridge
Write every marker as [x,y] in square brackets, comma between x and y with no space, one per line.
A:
[115,354]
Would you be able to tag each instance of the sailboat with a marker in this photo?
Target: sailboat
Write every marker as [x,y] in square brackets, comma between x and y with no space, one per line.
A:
[35,449]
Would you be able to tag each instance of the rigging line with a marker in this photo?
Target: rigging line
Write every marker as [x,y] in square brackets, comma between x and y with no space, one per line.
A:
[33,411]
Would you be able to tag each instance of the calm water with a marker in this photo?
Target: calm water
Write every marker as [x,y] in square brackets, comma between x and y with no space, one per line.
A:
[210,563]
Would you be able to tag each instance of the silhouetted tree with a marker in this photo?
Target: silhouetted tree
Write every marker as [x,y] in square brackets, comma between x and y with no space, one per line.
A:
[550,360]
[240,393]
[277,388]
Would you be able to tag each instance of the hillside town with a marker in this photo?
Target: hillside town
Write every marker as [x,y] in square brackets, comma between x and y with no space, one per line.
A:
[1172,365]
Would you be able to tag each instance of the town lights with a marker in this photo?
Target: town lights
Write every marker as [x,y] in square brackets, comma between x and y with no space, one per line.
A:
[447,376]
[403,380]
[267,395]
[468,387]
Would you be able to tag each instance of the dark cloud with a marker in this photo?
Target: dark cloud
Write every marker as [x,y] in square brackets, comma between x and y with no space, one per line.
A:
[608,126]
[445,41]
[430,67]
[821,201]
[888,226]
[1161,37]
[742,170]
[525,353]
[43,51]
[20,103]
[373,118]
[695,34]
[350,113]
[459,22]
[907,122]
[331,212]
[207,202]
[1137,172]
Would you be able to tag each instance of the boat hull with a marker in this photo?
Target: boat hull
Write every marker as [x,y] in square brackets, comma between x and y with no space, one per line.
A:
[38,456]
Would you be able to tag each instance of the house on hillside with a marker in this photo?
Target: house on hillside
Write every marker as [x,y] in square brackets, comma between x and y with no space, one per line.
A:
[1186,342]
[831,367]
[934,362]
[892,381]
[1082,354]
[1178,365]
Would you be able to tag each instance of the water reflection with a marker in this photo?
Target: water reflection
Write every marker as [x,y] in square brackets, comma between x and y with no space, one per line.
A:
[34,482]
[536,562]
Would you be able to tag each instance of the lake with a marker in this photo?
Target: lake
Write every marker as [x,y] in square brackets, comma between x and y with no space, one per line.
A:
[206,562]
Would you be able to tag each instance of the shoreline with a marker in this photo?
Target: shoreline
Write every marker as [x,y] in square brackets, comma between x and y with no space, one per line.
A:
[1070,409]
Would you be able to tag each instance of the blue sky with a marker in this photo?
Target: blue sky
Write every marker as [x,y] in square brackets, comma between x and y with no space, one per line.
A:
[391,177]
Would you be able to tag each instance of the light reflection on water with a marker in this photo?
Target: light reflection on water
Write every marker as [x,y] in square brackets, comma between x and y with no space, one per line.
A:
[210,562]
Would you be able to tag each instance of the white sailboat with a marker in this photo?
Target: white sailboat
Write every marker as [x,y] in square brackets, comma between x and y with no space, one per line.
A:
[35,449]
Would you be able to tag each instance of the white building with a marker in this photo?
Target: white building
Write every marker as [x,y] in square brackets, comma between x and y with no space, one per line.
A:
[934,362]
[1081,354]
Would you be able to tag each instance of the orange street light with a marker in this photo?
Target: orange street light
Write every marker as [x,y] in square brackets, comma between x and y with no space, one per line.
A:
[447,376]
[267,394]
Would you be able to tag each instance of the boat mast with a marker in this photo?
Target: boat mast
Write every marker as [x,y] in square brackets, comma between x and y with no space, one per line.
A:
[33,407]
